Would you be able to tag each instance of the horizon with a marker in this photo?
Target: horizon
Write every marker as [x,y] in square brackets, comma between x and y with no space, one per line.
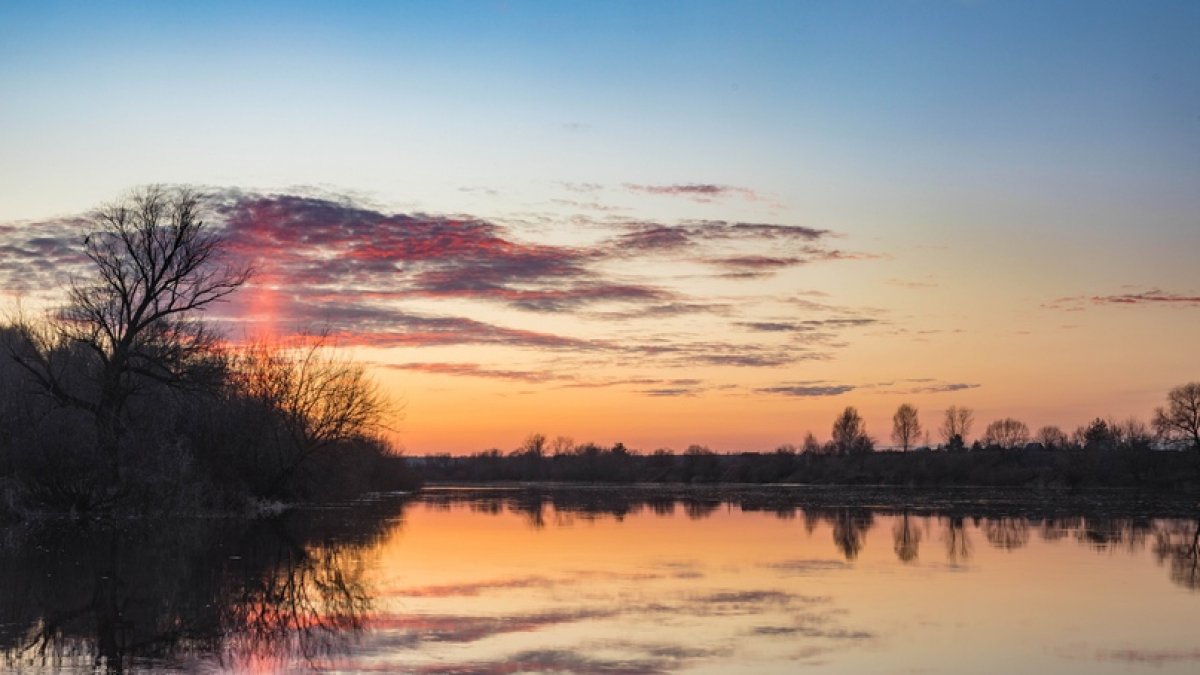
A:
[657,225]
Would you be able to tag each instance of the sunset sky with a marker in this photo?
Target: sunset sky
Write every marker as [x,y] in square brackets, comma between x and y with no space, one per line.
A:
[650,222]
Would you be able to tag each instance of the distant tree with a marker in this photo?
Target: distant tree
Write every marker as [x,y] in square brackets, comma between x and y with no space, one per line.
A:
[906,426]
[1006,433]
[1132,434]
[849,433]
[1179,423]
[1052,437]
[811,445]
[156,267]
[534,445]
[957,422]
[1097,435]
[562,445]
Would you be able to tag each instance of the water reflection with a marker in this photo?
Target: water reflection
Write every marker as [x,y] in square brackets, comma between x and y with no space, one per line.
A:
[680,578]
[155,595]
[1007,519]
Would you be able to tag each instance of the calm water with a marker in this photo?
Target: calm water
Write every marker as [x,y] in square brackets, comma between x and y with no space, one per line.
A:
[625,580]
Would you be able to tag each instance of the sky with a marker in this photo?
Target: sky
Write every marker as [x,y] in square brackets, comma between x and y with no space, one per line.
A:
[656,223]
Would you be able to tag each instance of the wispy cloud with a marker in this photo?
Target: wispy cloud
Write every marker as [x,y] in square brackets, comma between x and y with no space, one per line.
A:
[703,192]
[1153,297]
[1150,297]
[807,390]
[942,388]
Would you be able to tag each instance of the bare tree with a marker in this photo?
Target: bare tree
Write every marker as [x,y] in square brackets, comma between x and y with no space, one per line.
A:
[957,423]
[1052,437]
[850,434]
[906,426]
[157,267]
[1006,433]
[322,399]
[1179,422]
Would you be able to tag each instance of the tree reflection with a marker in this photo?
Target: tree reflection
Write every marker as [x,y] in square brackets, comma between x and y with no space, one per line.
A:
[850,527]
[1008,533]
[1177,543]
[958,544]
[175,594]
[906,538]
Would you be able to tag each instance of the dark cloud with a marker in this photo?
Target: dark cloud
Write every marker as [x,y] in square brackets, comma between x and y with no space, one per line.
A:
[1153,297]
[1150,297]
[672,391]
[657,237]
[808,325]
[941,388]
[323,243]
[754,266]
[807,390]
[698,191]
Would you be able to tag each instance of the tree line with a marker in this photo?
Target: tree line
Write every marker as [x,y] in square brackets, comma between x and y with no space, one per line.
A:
[125,398]
[1103,453]
[1174,426]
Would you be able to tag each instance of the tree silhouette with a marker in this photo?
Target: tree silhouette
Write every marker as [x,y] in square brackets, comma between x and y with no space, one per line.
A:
[1052,437]
[906,426]
[157,267]
[957,424]
[1179,422]
[1006,433]
[850,434]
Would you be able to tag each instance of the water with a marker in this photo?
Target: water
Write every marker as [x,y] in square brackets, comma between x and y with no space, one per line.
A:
[622,580]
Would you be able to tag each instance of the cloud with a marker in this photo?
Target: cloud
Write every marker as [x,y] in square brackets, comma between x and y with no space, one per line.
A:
[809,325]
[1150,297]
[807,390]
[671,392]
[582,187]
[643,237]
[702,192]
[754,266]
[324,243]
[911,284]
[371,277]
[942,388]
[1153,298]
[476,370]
[38,256]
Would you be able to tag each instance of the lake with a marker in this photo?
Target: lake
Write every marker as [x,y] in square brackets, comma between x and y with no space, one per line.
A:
[621,580]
